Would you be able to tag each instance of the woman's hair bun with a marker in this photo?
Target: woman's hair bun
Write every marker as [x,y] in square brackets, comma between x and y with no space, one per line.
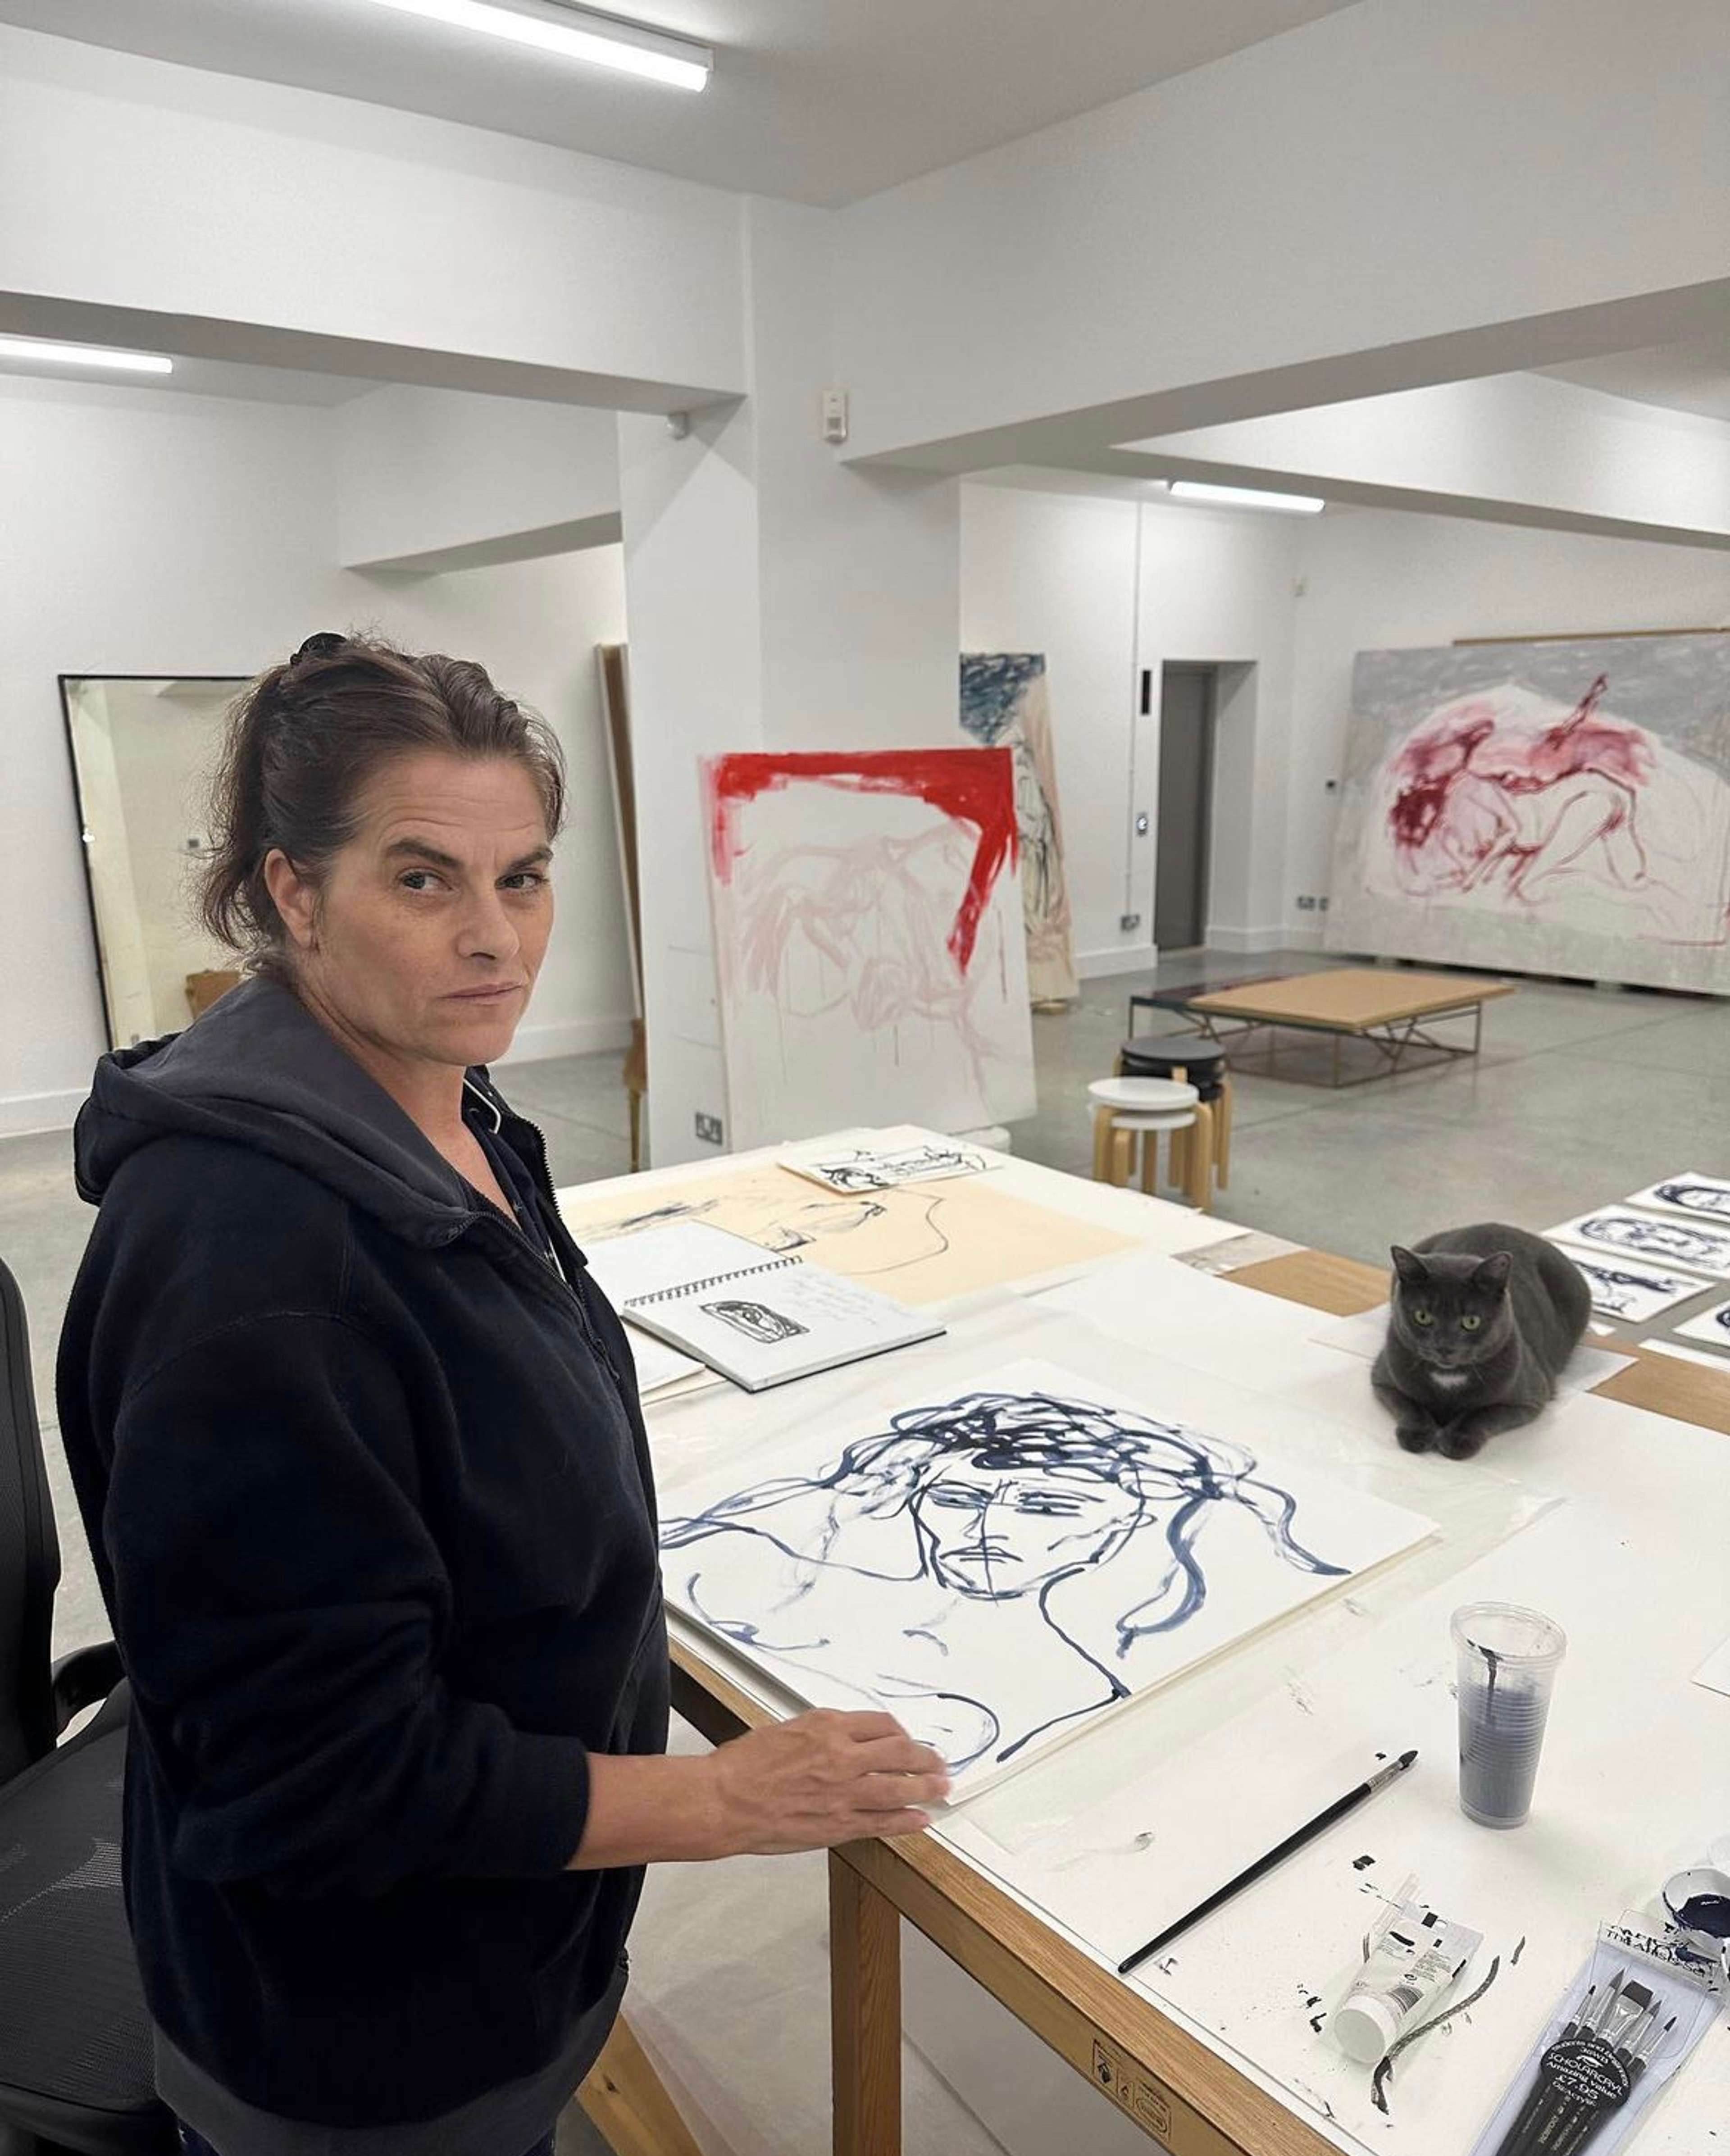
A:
[322,644]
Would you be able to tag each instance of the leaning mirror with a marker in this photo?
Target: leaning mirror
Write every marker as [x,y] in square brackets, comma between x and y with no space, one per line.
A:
[143,748]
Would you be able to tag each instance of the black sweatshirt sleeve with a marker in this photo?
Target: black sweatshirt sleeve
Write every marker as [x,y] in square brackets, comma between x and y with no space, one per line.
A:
[280,1609]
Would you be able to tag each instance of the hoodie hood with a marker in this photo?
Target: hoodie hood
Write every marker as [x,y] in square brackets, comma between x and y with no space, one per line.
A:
[258,1070]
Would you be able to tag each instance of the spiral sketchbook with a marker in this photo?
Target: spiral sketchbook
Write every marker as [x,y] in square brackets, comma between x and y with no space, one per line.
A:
[760,1317]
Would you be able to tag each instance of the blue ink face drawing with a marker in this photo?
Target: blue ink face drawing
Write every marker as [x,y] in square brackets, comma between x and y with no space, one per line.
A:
[1656,1239]
[1065,1529]
[1697,1197]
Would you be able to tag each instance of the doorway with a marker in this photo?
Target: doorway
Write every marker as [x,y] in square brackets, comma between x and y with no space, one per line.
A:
[1186,806]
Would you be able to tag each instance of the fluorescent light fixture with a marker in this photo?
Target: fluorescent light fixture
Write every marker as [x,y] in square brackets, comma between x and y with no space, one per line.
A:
[38,353]
[1245,497]
[574,33]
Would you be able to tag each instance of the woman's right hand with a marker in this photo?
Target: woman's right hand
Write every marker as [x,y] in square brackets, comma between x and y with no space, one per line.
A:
[821,1779]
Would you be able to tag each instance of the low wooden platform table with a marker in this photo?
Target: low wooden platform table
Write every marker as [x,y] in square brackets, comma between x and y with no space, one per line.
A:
[1394,1012]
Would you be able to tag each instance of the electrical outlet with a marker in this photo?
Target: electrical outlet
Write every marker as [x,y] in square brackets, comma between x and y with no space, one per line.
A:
[1125,921]
[1321,904]
[708,1128]
[1306,904]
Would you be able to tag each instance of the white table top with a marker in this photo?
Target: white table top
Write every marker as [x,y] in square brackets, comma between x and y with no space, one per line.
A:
[1614,1520]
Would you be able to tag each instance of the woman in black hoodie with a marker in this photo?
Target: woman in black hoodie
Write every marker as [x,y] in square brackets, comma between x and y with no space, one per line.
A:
[359,1454]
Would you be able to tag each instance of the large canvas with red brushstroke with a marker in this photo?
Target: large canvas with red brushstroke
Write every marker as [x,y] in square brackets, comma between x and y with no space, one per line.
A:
[1545,808]
[870,952]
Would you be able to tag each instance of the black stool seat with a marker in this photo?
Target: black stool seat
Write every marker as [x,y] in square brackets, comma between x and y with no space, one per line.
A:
[1143,1058]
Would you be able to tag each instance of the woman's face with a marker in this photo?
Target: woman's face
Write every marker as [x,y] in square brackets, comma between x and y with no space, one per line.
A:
[429,926]
[998,1533]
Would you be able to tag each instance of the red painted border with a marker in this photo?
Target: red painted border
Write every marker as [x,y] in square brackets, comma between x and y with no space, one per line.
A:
[975,785]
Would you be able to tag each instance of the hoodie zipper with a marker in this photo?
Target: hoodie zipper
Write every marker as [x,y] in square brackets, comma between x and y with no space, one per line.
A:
[543,1176]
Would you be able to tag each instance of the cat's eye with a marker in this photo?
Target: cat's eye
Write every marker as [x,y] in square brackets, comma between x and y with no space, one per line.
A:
[1422,1318]
[1470,1323]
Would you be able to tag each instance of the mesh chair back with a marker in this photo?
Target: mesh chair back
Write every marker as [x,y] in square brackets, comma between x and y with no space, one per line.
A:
[29,1553]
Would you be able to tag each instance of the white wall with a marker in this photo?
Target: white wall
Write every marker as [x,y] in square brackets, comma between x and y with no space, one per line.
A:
[170,534]
[1282,604]
[1377,579]
[443,478]
[1106,587]
[1395,194]
[249,220]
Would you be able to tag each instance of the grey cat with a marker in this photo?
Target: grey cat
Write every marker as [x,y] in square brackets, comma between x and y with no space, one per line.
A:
[1482,1322]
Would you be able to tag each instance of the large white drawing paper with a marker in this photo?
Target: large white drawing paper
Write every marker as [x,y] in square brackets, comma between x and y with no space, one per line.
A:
[1619,1232]
[998,1566]
[1628,1288]
[869,953]
[1701,1197]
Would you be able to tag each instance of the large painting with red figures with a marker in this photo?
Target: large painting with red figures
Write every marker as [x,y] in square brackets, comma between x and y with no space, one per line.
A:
[869,953]
[1555,806]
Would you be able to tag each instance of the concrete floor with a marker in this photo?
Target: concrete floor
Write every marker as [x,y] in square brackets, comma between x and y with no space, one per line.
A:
[1579,1096]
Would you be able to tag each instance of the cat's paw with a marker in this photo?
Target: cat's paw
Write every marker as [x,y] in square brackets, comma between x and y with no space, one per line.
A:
[1458,1444]
[1415,1436]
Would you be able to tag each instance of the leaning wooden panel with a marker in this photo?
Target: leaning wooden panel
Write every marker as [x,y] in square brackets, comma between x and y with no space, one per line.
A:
[1170,2083]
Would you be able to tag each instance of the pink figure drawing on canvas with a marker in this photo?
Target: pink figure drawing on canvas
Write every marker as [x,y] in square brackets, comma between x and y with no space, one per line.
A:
[1502,797]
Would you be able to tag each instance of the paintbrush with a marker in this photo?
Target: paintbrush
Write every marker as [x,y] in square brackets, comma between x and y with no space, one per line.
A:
[1641,2057]
[1528,2111]
[1569,2113]
[1541,2105]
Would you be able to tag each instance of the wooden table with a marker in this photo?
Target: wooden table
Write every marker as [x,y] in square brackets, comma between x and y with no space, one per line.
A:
[1394,1012]
[1177,2088]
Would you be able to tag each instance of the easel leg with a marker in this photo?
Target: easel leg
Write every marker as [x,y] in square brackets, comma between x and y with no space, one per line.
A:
[623,2096]
[864,1987]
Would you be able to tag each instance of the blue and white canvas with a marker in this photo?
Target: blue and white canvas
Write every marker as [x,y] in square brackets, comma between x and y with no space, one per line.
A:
[999,1565]
[1003,704]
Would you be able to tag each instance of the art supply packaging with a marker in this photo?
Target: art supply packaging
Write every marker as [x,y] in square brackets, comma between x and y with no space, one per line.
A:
[1626,2024]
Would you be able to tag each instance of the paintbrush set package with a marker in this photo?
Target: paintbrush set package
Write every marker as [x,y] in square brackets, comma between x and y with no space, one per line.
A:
[1627,2024]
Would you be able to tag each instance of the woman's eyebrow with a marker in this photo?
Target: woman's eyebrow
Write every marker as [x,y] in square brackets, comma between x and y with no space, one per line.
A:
[423,850]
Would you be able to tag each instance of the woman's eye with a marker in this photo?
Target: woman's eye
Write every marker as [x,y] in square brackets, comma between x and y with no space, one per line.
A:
[1422,1318]
[1471,1324]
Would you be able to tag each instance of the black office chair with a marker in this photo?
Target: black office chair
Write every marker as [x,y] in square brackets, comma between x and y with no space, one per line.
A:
[75,2070]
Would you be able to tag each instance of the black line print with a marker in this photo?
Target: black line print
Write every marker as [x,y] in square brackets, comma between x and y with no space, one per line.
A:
[756,1321]
[1697,1197]
[1619,1293]
[862,1169]
[1656,1239]
[805,1226]
[1021,1531]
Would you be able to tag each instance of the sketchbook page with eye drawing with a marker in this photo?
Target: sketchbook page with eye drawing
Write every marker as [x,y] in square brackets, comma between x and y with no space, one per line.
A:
[758,1317]
[1000,1564]
[922,1245]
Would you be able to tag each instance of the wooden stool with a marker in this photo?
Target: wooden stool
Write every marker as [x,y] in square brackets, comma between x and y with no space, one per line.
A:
[1200,1065]
[1131,1111]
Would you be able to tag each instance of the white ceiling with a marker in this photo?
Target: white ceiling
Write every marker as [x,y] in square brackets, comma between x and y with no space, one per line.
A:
[1692,376]
[819,100]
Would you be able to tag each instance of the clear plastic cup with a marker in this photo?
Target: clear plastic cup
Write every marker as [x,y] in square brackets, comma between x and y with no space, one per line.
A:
[1507,1662]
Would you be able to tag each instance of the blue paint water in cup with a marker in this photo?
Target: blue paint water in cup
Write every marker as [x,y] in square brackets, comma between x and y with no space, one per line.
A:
[1507,1662]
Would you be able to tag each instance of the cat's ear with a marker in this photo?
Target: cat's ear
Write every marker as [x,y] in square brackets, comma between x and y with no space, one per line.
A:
[1411,1268]
[1491,1274]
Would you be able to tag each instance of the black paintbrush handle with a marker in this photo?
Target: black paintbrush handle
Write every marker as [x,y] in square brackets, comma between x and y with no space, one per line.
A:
[1513,2141]
[1336,1810]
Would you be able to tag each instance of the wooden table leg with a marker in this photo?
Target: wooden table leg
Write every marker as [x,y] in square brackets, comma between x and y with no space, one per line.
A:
[625,2098]
[865,1982]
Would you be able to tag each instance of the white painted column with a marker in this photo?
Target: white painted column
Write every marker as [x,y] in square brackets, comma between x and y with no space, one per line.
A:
[774,598]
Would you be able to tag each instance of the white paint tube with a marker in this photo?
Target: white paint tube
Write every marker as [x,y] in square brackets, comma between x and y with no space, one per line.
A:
[1413,1964]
